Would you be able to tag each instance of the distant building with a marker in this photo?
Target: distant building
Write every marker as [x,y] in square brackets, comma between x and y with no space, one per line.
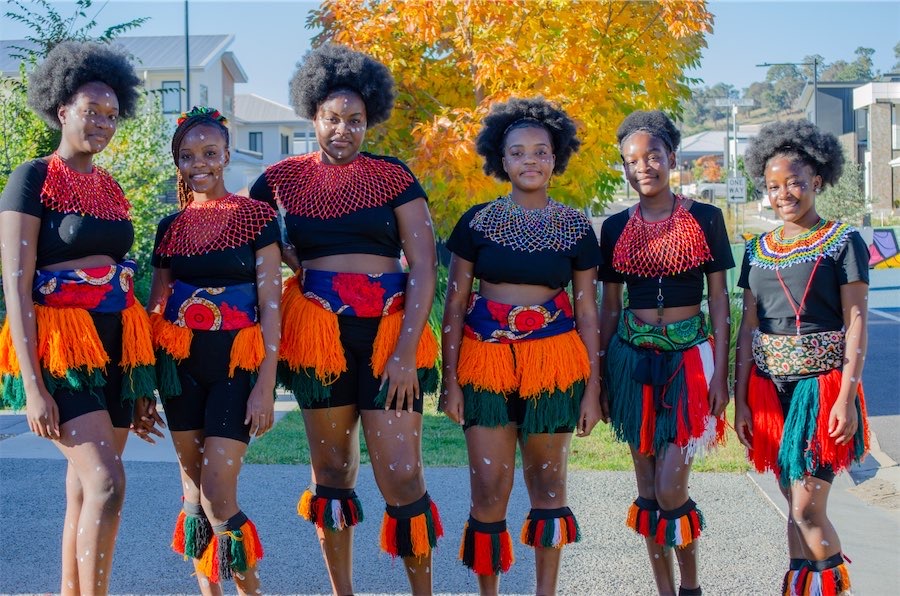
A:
[835,105]
[877,107]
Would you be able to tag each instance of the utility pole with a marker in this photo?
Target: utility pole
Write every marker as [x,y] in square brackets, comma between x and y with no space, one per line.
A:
[187,60]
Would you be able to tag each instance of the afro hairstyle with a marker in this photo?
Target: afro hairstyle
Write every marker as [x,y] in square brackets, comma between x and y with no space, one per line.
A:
[516,113]
[797,140]
[331,68]
[654,123]
[72,64]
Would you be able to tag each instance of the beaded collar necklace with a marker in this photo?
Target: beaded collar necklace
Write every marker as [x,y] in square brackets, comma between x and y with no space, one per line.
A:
[772,251]
[96,193]
[552,227]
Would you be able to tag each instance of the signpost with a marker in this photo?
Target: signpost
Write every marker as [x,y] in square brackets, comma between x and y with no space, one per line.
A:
[737,190]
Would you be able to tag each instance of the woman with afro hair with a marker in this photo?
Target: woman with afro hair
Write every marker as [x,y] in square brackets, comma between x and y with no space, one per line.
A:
[75,348]
[799,405]
[355,342]
[214,304]
[520,362]
[666,376]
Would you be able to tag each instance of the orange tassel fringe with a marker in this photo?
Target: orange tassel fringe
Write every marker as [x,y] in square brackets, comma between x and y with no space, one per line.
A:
[310,338]
[386,342]
[137,346]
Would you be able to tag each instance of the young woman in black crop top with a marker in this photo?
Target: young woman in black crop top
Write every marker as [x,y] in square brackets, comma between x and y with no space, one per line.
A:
[75,348]
[355,344]
[520,364]
[216,327]
[799,405]
[665,375]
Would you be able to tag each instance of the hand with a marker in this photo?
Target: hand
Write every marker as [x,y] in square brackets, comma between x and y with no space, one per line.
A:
[42,414]
[843,421]
[260,410]
[145,419]
[718,395]
[743,423]
[604,403]
[452,402]
[591,412]
[402,383]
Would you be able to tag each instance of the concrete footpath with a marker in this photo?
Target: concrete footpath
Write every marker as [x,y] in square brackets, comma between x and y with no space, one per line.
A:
[743,548]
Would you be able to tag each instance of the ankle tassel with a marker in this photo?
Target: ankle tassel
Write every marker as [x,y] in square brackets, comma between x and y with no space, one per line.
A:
[330,508]
[193,531]
[486,547]
[550,527]
[681,526]
[411,530]
[817,578]
[643,516]
[234,548]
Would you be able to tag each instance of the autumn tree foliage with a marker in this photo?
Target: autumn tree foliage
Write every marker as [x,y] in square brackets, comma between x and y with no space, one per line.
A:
[598,59]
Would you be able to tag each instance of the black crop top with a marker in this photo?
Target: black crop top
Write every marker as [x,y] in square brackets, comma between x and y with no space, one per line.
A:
[340,209]
[682,289]
[846,262]
[63,236]
[226,267]
[508,244]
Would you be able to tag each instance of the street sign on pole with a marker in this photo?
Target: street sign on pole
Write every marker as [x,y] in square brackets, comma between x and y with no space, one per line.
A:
[724,102]
[737,190]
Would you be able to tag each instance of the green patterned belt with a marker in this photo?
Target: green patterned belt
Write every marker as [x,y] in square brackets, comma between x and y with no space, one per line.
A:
[795,355]
[674,337]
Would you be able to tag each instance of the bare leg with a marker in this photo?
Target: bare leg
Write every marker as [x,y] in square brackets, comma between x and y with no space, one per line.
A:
[90,445]
[189,447]
[809,499]
[795,540]
[222,460]
[74,496]
[395,446]
[492,463]
[660,557]
[544,462]
[672,476]
[333,435]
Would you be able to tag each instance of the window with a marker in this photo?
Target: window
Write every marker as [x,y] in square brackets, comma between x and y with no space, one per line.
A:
[204,95]
[895,127]
[285,145]
[255,142]
[171,97]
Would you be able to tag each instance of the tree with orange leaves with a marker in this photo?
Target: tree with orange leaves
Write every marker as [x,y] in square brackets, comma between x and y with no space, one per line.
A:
[599,59]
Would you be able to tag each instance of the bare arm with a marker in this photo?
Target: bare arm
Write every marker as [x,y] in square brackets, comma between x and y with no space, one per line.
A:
[720,317]
[417,236]
[610,311]
[844,420]
[743,363]
[459,287]
[160,289]
[260,405]
[584,287]
[19,233]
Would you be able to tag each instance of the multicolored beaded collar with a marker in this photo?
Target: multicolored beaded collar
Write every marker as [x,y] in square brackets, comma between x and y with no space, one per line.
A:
[771,251]
[554,227]
[96,194]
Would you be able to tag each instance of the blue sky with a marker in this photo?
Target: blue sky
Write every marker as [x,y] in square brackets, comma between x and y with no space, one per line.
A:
[271,36]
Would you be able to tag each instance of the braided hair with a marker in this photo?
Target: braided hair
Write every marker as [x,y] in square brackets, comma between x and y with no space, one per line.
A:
[518,113]
[197,116]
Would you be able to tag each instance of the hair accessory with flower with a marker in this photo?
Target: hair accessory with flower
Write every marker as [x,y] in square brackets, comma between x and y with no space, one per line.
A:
[204,111]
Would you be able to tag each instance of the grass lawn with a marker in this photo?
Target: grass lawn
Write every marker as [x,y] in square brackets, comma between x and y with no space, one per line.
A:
[444,445]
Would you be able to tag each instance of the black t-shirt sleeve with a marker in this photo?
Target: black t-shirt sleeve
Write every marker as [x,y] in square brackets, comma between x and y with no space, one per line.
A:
[461,241]
[609,234]
[744,279]
[23,189]
[268,235]
[261,191]
[587,252]
[157,260]
[719,246]
[853,260]
[410,193]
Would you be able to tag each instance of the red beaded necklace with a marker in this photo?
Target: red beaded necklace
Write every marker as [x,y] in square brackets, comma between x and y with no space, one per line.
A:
[96,193]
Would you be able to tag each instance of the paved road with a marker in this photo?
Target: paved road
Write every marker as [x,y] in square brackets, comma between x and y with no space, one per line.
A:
[881,377]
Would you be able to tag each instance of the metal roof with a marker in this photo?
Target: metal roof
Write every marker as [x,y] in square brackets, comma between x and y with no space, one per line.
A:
[253,108]
[158,52]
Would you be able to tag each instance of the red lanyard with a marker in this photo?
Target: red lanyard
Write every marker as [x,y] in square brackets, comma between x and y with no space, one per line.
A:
[799,307]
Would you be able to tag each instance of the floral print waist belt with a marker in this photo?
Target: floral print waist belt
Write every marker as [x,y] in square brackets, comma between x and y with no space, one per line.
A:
[674,337]
[105,289]
[495,322]
[798,355]
[355,294]
[212,309]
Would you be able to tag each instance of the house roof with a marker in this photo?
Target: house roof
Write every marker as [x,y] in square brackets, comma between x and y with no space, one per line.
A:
[709,142]
[157,52]
[253,108]
[806,94]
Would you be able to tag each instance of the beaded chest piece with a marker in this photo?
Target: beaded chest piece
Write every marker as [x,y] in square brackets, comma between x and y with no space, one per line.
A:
[229,222]
[772,251]
[555,227]
[308,188]
[96,194]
